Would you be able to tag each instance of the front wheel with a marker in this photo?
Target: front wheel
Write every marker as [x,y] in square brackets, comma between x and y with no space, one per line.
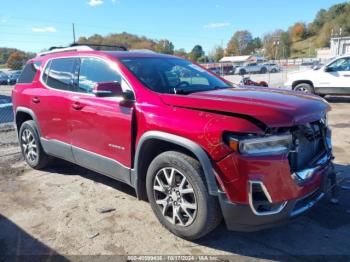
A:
[305,88]
[263,70]
[178,196]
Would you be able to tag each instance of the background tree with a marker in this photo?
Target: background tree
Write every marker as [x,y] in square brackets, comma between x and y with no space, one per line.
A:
[216,54]
[16,61]
[181,53]
[196,53]
[165,46]
[297,32]
[240,43]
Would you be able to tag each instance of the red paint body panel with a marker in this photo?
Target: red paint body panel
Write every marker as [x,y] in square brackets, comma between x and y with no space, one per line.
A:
[103,121]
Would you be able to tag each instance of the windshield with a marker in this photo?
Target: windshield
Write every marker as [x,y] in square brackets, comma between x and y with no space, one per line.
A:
[172,75]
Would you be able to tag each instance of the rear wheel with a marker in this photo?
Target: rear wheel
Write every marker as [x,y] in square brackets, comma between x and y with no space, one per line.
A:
[32,150]
[305,88]
[178,196]
[242,72]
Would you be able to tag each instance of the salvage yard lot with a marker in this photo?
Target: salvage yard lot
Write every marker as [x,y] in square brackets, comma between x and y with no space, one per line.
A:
[57,211]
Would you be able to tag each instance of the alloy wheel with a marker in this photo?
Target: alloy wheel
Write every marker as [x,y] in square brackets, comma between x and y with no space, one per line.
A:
[29,146]
[303,89]
[175,196]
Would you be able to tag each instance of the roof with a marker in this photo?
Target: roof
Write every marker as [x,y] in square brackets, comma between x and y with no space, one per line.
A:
[81,49]
[125,54]
[236,59]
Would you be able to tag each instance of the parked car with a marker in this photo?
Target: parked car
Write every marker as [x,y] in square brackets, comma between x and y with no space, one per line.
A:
[272,67]
[194,146]
[251,68]
[13,77]
[3,78]
[330,79]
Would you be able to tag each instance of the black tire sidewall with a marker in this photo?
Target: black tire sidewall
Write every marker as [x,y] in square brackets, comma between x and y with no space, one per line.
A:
[194,230]
[306,86]
[30,125]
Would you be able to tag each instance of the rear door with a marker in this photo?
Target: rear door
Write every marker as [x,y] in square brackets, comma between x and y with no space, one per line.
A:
[335,79]
[52,106]
[101,127]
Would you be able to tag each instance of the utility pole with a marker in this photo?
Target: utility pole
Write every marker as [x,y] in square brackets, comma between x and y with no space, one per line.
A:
[73,33]
[339,40]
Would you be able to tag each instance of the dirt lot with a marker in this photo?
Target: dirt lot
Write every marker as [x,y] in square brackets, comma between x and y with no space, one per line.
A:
[56,212]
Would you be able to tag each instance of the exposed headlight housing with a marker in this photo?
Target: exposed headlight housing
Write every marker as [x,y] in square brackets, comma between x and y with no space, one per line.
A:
[266,145]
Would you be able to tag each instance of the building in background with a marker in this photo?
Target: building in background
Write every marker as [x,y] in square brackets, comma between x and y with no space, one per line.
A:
[339,46]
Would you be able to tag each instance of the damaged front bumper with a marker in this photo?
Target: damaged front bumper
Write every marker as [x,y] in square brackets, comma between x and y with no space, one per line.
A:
[243,217]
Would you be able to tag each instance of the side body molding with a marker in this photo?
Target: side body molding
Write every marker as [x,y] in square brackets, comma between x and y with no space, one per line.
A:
[180,141]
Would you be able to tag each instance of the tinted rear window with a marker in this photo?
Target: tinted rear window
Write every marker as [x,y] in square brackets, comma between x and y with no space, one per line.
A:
[28,73]
[60,73]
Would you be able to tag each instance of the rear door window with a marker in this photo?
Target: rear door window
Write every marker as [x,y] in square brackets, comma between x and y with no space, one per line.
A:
[29,72]
[94,71]
[60,73]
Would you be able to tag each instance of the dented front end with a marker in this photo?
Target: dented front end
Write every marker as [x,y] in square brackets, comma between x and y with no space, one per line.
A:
[282,177]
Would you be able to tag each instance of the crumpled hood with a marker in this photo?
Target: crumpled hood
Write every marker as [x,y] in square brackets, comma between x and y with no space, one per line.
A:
[273,107]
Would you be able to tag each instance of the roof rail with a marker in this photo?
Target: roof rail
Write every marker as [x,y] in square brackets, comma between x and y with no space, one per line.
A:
[54,50]
[120,47]
[79,47]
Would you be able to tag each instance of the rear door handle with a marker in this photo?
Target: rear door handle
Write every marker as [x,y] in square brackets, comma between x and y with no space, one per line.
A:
[77,106]
[35,100]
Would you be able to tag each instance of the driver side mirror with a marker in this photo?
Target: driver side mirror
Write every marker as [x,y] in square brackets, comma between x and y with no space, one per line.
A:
[108,89]
[328,69]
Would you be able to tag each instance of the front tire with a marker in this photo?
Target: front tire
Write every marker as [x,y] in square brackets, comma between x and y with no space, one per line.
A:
[179,197]
[305,88]
[263,70]
[31,148]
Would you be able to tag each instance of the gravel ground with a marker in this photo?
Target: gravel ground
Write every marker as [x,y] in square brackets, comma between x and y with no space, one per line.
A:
[56,212]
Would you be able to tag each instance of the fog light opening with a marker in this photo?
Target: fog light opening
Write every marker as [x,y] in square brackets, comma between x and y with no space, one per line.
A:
[260,200]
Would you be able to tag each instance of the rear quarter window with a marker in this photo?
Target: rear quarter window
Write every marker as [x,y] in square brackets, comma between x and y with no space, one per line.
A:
[28,73]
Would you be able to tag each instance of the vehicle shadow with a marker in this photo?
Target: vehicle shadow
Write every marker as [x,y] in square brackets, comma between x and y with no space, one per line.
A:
[320,233]
[338,99]
[327,226]
[18,245]
[66,168]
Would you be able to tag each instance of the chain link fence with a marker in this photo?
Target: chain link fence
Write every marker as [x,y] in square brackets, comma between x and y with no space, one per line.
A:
[6,112]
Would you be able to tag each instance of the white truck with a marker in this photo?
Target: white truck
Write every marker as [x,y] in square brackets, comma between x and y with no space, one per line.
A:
[330,79]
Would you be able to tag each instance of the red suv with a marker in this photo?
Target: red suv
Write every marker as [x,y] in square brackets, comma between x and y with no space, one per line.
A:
[196,147]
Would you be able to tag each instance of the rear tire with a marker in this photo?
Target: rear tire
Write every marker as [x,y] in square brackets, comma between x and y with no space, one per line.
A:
[305,88]
[242,72]
[179,197]
[31,148]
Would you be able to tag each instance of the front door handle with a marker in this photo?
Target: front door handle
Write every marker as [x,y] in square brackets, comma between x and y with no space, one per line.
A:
[77,106]
[35,100]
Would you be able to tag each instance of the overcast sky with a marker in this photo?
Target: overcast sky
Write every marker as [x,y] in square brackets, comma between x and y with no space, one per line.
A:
[38,24]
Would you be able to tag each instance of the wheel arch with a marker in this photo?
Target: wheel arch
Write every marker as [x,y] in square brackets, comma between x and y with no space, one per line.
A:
[24,114]
[158,142]
[305,81]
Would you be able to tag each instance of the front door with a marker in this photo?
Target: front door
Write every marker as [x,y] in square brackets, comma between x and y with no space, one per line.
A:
[335,79]
[101,127]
